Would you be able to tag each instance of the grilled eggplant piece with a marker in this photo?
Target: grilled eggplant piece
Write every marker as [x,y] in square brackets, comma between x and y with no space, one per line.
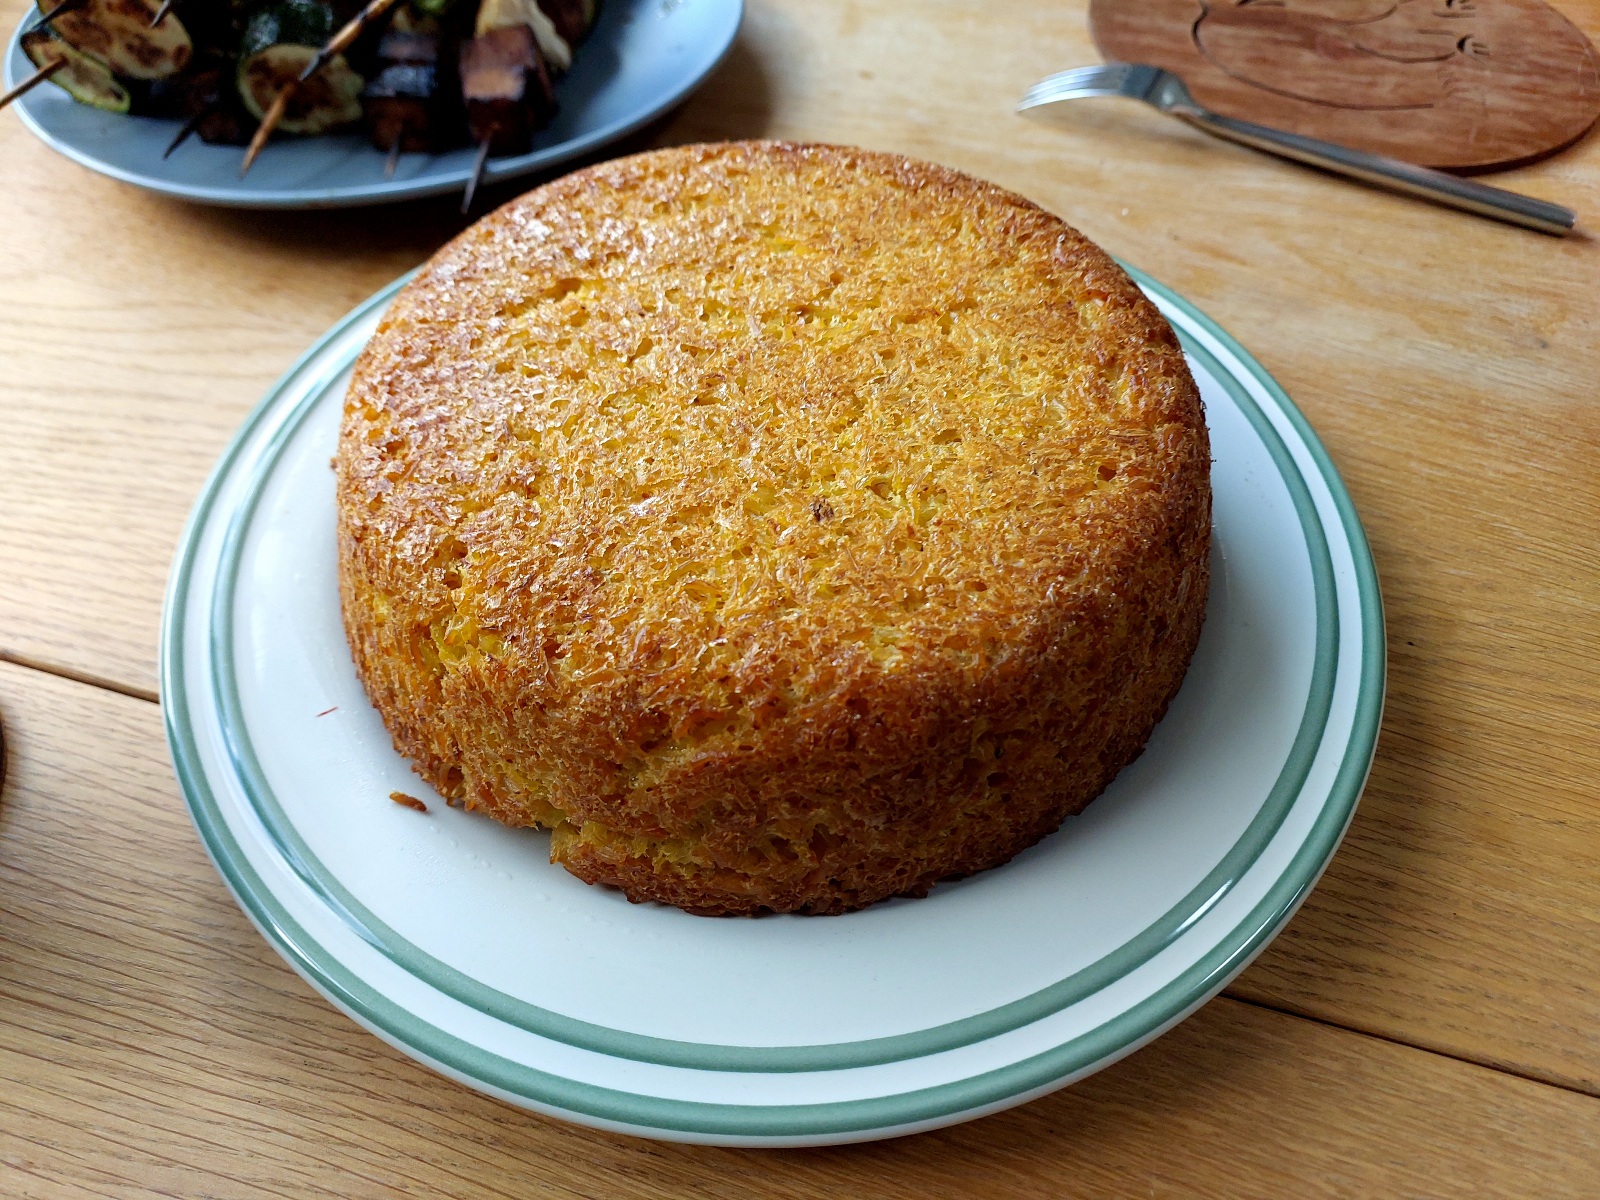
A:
[214,25]
[179,97]
[85,78]
[415,99]
[506,88]
[279,43]
[205,97]
[118,33]
[402,109]
[227,124]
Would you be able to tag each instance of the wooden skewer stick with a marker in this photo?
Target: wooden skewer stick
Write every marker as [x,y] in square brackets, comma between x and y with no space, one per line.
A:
[390,163]
[189,126]
[337,44]
[32,81]
[59,10]
[269,122]
[340,42]
[477,176]
[161,13]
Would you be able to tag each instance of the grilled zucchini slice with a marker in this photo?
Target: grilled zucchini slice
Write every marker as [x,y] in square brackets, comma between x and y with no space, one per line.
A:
[279,43]
[85,78]
[118,33]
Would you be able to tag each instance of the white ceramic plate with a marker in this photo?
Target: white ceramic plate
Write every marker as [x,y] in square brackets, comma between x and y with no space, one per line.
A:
[454,939]
[643,57]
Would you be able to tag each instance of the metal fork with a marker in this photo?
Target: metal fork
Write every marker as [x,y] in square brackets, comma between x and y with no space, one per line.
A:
[1167,92]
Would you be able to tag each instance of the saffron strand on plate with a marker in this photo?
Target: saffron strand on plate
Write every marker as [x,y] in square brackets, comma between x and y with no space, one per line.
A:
[393,158]
[32,81]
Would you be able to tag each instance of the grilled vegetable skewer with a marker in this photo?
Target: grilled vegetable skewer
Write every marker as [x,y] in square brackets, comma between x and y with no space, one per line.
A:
[425,84]
[289,77]
[413,101]
[508,95]
[507,89]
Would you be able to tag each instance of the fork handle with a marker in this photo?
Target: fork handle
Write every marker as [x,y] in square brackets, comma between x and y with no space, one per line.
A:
[1389,173]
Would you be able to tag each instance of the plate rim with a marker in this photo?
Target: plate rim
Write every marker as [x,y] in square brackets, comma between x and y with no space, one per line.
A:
[939,1103]
[355,196]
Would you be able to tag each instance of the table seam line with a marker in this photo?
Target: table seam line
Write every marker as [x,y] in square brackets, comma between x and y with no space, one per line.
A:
[76,675]
[1497,1068]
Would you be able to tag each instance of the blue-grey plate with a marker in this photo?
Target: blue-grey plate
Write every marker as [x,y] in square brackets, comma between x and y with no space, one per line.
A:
[643,57]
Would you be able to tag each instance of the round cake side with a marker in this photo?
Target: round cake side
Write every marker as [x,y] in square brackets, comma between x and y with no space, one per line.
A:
[786,527]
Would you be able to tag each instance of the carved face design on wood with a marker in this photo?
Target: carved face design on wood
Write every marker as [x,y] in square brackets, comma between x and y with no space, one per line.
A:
[1389,54]
[1463,84]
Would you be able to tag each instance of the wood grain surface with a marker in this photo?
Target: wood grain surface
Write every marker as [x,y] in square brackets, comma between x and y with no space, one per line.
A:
[152,1040]
[1451,367]
[1461,84]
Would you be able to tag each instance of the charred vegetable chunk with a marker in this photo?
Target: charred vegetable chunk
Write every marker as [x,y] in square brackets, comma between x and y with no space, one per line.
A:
[227,124]
[214,25]
[414,100]
[279,43]
[509,14]
[182,96]
[506,88]
[118,33]
[572,18]
[86,79]
[288,23]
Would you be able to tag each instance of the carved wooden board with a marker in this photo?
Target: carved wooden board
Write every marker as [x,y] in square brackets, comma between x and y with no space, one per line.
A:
[1461,84]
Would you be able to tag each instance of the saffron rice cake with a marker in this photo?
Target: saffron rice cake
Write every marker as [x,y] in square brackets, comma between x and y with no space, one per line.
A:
[785,527]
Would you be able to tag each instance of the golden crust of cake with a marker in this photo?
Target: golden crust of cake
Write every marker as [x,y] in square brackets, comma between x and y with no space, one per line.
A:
[785,526]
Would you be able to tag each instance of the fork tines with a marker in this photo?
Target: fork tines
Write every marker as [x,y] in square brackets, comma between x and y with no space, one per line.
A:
[1109,79]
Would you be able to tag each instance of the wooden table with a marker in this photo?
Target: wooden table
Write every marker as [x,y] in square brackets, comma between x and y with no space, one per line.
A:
[1429,1025]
